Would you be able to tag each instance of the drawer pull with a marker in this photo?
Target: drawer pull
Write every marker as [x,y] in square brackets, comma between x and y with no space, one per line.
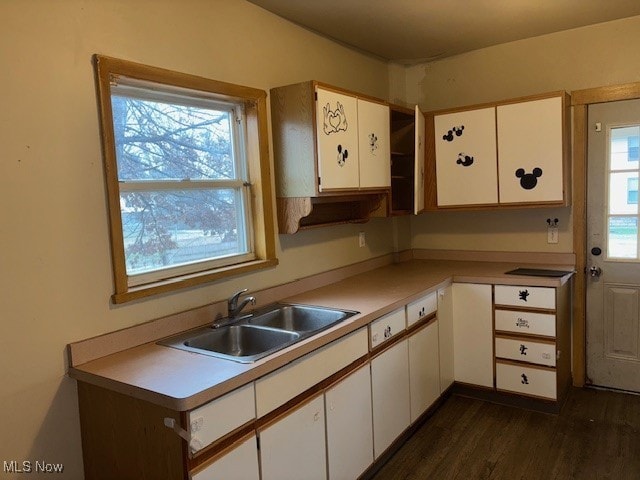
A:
[523,349]
[522,323]
[523,294]
[525,380]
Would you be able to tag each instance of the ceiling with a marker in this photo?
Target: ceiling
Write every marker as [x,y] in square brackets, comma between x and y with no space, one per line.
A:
[414,31]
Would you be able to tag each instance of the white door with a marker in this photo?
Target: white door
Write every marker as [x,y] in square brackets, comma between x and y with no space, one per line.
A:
[349,426]
[240,463]
[530,151]
[337,134]
[445,336]
[473,334]
[424,369]
[390,396]
[466,172]
[418,174]
[374,133]
[613,292]
[294,446]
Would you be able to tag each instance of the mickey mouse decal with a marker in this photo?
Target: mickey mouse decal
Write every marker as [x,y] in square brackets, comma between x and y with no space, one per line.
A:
[528,181]
[342,155]
[464,160]
[457,130]
[373,142]
[334,120]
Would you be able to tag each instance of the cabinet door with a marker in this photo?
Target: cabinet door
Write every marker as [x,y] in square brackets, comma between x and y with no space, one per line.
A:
[337,134]
[419,178]
[374,148]
[472,334]
[466,159]
[240,463]
[424,369]
[390,396]
[294,446]
[349,427]
[445,335]
[530,151]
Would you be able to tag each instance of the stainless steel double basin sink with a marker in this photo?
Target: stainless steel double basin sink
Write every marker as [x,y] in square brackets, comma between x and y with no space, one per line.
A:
[259,334]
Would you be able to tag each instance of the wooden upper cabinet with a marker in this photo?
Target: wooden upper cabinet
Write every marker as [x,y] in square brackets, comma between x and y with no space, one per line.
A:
[466,157]
[510,153]
[530,149]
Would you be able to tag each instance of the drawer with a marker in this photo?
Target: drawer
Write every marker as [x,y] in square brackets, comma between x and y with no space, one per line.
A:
[215,419]
[526,380]
[530,323]
[421,308]
[530,297]
[387,327]
[239,462]
[279,387]
[526,350]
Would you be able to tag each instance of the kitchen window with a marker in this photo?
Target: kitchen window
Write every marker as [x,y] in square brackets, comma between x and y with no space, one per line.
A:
[185,159]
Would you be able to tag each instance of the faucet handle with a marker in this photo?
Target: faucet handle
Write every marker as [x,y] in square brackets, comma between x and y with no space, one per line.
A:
[233,299]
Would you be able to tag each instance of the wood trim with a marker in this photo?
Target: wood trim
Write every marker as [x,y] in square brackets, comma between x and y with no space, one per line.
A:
[422,323]
[221,446]
[525,364]
[581,99]
[387,344]
[351,93]
[195,467]
[525,336]
[515,308]
[109,69]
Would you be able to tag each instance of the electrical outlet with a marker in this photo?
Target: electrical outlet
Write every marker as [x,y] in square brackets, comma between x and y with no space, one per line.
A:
[552,234]
[361,239]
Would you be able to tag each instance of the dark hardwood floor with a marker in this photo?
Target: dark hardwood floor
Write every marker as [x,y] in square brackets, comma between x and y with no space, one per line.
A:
[595,436]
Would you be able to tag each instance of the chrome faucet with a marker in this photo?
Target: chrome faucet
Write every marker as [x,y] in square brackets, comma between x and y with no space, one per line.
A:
[234,309]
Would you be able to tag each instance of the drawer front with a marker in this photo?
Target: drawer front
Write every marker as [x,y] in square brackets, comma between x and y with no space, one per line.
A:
[526,351]
[215,419]
[528,381]
[279,387]
[530,297]
[526,322]
[421,308]
[387,327]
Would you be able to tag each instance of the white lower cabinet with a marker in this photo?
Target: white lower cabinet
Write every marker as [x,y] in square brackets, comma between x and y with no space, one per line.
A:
[390,395]
[294,446]
[349,426]
[424,369]
[473,334]
[445,336]
[239,463]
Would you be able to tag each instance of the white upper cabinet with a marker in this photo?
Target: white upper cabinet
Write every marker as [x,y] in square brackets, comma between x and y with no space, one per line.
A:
[530,150]
[373,147]
[509,153]
[337,138]
[466,157]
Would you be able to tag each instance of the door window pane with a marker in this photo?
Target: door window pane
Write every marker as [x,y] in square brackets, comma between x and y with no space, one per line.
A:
[623,187]
[624,147]
[623,237]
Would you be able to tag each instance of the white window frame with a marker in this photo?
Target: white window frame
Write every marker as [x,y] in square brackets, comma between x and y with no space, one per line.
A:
[252,181]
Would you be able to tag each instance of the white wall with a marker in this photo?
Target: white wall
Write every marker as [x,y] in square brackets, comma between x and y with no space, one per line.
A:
[598,55]
[55,279]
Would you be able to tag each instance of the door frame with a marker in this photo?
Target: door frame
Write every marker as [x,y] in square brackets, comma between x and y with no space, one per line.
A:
[580,101]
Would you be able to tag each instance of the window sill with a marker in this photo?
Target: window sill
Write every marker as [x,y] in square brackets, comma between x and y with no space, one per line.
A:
[194,279]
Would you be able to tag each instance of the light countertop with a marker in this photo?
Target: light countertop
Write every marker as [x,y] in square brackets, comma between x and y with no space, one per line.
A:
[182,380]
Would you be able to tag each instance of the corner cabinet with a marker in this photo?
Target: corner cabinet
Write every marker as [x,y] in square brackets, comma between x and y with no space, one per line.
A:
[512,153]
[331,154]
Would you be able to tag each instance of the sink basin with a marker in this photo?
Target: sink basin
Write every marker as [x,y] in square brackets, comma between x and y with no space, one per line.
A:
[299,318]
[262,333]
